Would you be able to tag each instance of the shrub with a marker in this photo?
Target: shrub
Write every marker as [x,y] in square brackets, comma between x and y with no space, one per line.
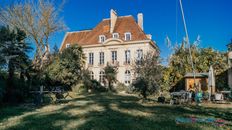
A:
[96,86]
[144,88]
[120,87]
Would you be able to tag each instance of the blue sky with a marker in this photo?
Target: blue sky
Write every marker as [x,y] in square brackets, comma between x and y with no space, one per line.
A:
[211,19]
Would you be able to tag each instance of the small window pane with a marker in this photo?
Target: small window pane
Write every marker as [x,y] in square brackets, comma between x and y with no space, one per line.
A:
[102,38]
[67,45]
[101,58]
[128,36]
[115,35]
[127,77]
[91,58]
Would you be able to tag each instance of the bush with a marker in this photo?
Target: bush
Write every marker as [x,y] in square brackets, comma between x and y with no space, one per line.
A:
[144,87]
[93,85]
[130,89]
[120,87]
[96,86]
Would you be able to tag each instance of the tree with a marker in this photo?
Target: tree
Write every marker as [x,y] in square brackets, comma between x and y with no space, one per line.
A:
[87,81]
[67,67]
[110,75]
[148,74]
[14,55]
[38,19]
[179,65]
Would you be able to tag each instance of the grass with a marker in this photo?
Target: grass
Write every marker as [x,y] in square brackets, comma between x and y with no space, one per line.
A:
[108,112]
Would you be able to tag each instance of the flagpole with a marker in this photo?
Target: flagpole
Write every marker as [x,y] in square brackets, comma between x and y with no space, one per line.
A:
[187,40]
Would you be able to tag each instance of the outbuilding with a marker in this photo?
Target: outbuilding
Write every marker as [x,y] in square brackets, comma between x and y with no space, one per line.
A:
[201,80]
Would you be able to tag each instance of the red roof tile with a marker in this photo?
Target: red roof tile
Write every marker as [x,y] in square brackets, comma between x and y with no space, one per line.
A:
[123,24]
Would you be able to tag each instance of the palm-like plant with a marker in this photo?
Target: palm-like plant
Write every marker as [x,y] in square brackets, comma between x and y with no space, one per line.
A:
[14,51]
[110,76]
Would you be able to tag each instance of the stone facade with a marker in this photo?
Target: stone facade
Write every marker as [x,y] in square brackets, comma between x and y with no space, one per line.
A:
[121,48]
[120,44]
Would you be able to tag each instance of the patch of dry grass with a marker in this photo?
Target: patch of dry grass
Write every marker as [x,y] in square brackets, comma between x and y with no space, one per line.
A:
[108,112]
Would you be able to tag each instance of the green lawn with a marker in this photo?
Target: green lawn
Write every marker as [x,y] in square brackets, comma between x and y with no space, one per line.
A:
[108,112]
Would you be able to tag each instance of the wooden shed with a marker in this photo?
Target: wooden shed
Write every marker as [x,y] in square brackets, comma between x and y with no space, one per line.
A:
[201,81]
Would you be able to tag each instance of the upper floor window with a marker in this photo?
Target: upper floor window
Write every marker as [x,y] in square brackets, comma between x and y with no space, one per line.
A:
[101,58]
[127,36]
[67,45]
[139,55]
[114,56]
[115,35]
[127,77]
[91,58]
[127,57]
[102,38]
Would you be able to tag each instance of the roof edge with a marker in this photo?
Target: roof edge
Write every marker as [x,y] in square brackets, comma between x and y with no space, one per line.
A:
[118,17]
[66,34]
[80,31]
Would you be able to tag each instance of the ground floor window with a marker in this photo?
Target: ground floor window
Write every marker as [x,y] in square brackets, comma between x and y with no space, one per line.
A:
[101,76]
[91,74]
[127,77]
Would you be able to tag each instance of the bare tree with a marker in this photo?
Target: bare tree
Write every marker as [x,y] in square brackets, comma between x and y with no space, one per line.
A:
[39,19]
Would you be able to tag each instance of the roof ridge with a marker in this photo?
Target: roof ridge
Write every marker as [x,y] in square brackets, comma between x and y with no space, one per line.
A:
[79,31]
[118,17]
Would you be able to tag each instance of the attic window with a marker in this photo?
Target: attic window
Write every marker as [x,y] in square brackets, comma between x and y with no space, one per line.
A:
[115,35]
[67,45]
[102,38]
[127,36]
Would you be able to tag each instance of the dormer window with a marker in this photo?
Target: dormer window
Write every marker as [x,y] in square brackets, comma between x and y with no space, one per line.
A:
[67,45]
[127,36]
[102,38]
[115,35]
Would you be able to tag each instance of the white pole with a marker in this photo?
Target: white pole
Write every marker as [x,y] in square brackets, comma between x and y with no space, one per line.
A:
[187,39]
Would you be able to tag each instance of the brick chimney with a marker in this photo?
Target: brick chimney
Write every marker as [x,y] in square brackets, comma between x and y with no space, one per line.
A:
[113,19]
[140,20]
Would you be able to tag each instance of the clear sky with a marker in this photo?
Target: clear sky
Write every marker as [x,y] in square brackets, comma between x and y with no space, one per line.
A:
[211,19]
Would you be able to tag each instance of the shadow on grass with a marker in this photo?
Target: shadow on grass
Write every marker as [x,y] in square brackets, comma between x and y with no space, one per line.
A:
[11,111]
[118,113]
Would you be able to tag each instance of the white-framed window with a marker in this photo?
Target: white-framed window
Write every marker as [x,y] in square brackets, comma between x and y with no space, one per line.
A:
[115,35]
[91,58]
[139,55]
[101,76]
[127,77]
[102,38]
[91,74]
[114,56]
[101,58]
[127,36]
[127,56]
[68,45]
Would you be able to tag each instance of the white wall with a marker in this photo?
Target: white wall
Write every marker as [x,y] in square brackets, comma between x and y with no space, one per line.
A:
[133,47]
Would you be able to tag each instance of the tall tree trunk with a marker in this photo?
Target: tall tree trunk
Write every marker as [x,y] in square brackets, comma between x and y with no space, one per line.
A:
[109,85]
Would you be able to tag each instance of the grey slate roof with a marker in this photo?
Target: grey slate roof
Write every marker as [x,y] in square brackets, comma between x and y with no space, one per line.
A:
[198,75]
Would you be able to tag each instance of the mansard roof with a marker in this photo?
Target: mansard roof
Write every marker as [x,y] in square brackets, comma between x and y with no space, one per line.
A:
[90,37]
